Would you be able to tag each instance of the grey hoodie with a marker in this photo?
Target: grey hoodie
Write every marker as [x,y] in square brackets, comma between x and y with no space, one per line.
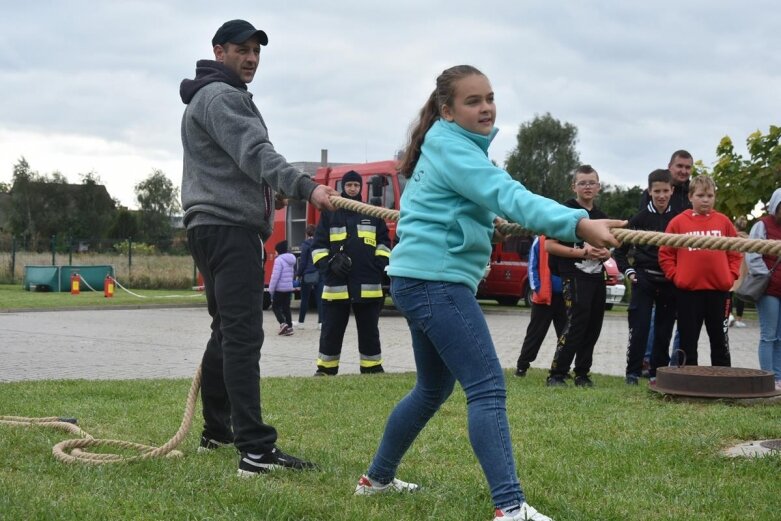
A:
[230,165]
[756,264]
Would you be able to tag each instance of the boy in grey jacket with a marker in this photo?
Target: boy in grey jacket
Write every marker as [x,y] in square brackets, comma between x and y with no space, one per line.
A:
[231,171]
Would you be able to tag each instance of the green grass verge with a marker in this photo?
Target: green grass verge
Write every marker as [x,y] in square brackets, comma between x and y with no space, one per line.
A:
[16,297]
[608,453]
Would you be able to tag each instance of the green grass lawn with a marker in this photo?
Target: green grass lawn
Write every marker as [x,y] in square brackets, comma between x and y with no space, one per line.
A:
[608,453]
[14,296]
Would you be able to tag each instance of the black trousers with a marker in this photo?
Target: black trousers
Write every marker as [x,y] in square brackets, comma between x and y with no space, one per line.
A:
[281,307]
[541,317]
[584,299]
[229,258]
[335,318]
[645,294]
[711,307]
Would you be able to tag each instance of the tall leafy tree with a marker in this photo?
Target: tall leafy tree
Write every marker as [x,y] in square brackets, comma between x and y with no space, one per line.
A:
[39,204]
[619,202]
[545,157]
[744,183]
[93,209]
[158,200]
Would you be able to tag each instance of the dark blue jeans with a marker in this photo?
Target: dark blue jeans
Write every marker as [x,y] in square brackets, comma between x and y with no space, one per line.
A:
[229,258]
[451,341]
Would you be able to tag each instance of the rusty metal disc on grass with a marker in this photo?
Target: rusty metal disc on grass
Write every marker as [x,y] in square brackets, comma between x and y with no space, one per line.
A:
[715,382]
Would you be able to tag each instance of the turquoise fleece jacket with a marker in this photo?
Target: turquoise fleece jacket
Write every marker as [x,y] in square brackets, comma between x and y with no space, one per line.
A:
[449,204]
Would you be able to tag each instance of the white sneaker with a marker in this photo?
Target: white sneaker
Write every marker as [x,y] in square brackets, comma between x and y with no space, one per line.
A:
[525,513]
[366,487]
[298,325]
[778,385]
[739,323]
[730,320]
[319,325]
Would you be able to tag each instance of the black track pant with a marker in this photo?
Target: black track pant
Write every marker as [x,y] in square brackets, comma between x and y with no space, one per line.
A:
[335,318]
[541,317]
[229,258]
[711,307]
[584,299]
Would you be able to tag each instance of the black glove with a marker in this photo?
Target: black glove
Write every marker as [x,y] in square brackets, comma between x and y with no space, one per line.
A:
[340,265]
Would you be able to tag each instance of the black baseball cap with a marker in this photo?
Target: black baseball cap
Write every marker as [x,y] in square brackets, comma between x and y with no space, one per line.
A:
[238,31]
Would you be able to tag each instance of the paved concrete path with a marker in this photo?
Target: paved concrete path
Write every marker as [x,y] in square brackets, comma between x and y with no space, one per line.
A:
[168,343]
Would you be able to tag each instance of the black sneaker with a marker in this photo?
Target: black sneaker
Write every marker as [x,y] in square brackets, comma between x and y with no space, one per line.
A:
[556,381]
[520,372]
[583,381]
[208,444]
[274,460]
[372,370]
[632,380]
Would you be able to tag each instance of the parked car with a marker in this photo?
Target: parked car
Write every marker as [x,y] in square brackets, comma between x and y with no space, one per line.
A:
[506,279]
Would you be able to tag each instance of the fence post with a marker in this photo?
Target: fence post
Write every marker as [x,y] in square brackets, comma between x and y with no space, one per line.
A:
[54,247]
[70,251]
[13,258]
[129,256]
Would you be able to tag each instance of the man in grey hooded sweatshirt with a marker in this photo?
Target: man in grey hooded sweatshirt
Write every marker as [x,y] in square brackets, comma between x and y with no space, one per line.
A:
[231,171]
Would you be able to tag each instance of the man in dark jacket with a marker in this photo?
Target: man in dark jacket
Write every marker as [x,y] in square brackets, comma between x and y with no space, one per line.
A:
[309,276]
[230,173]
[351,251]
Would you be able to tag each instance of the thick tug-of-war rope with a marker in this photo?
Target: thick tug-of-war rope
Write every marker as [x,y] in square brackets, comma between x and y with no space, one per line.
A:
[70,451]
[705,242]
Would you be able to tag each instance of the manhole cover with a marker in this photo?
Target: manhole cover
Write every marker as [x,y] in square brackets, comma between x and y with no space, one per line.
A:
[715,382]
[772,444]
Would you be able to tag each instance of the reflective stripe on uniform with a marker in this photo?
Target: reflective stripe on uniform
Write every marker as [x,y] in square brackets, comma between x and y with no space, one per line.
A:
[367,231]
[318,254]
[371,360]
[329,361]
[337,233]
[335,293]
[382,251]
[370,291]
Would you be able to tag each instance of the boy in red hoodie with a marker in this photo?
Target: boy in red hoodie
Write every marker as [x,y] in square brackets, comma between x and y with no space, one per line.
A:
[703,277]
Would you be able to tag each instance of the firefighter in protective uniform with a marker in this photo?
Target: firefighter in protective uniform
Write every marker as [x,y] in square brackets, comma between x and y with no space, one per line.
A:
[351,250]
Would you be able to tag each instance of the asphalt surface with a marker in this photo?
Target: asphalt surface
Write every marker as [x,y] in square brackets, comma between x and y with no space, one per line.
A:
[168,343]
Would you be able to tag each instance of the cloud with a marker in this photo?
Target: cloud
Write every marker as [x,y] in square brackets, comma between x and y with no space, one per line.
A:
[96,88]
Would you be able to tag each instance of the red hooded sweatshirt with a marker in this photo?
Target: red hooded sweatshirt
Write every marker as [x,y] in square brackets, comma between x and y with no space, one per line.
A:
[694,269]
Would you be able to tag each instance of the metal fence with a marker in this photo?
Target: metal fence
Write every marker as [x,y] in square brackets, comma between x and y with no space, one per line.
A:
[165,264]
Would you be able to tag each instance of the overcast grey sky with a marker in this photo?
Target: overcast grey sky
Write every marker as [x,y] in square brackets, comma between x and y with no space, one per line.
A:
[94,86]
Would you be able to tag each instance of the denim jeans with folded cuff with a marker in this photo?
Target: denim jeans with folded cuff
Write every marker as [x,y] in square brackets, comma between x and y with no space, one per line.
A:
[451,341]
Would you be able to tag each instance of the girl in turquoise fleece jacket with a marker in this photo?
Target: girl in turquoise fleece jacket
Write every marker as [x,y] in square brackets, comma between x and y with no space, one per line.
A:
[448,210]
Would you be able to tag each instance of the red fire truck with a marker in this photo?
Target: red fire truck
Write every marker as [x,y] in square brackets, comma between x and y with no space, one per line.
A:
[506,280]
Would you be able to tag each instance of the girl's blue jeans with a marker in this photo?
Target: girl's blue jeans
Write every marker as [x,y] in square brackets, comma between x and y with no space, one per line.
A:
[451,342]
[769,310]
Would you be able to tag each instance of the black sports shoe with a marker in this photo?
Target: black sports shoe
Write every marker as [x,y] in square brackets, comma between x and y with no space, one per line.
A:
[556,381]
[274,460]
[208,444]
[583,381]
[632,380]
[520,372]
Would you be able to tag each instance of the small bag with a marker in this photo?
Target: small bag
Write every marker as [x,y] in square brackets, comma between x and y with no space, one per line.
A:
[312,277]
[754,286]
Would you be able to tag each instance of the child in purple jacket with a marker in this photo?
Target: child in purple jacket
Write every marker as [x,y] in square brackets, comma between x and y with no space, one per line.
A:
[280,287]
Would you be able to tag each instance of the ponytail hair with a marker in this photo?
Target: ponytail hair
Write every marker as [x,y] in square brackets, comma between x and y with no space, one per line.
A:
[429,114]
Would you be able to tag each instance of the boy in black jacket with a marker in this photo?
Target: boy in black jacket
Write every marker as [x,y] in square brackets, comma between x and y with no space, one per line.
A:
[583,288]
[649,285]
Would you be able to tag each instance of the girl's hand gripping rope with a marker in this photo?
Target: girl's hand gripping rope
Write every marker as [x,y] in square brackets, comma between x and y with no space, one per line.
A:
[596,232]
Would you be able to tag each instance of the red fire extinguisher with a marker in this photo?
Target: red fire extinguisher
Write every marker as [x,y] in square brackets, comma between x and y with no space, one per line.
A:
[108,286]
[74,283]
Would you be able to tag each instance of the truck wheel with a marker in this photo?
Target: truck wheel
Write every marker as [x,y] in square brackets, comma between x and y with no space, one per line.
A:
[507,301]
[266,300]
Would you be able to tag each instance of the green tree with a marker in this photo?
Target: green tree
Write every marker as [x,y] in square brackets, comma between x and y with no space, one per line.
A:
[93,211]
[619,202]
[744,183]
[545,157]
[39,205]
[158,200]
[124,225]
